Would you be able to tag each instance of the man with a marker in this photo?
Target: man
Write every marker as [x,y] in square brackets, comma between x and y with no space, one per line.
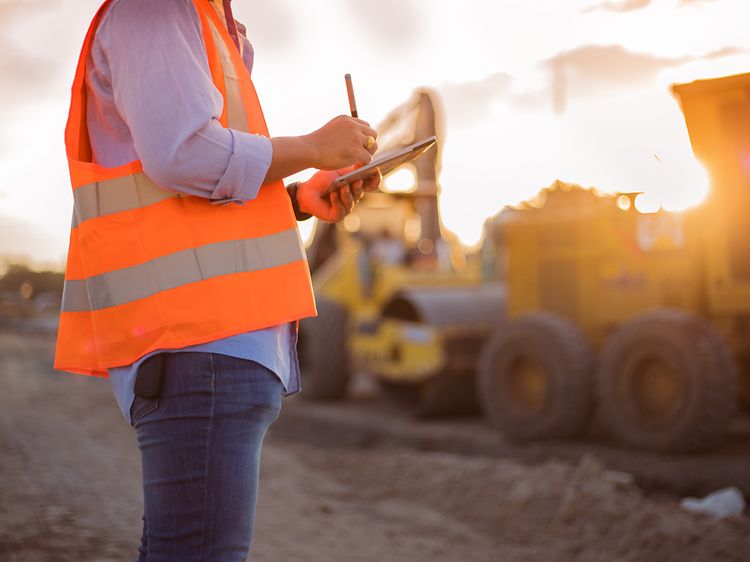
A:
[185,273]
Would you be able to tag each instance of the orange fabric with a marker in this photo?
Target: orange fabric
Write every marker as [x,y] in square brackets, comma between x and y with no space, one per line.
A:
[129,330]
[76,131]
[207,310]
[214,64]
[84,173]
[225,222]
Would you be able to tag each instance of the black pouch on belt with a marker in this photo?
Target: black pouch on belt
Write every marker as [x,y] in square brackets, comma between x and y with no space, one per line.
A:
[150,377]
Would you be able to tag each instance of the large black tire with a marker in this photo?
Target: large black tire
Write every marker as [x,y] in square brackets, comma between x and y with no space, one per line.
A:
[667,382]
[535,378]
[324,353]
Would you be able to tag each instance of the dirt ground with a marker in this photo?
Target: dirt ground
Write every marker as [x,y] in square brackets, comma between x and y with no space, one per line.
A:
[70,491]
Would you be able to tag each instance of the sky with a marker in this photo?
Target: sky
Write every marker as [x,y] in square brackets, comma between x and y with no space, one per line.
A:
[576,90]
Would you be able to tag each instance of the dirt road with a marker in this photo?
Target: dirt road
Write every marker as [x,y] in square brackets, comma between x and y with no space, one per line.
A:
[70,492]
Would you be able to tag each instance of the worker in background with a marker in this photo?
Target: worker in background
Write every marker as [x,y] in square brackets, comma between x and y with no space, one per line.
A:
[186,275]
[387,249]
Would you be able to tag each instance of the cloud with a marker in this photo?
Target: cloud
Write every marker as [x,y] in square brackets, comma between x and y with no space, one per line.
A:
[593,68]
[24,74]
[575,74]
[625,6]
[683,3]
[619,6]
[470,102]
[723,52]
[611,65]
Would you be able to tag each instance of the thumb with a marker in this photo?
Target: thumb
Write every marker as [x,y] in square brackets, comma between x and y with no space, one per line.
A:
[348,169]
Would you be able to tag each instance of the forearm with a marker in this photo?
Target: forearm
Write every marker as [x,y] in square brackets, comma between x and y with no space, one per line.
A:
[291,155]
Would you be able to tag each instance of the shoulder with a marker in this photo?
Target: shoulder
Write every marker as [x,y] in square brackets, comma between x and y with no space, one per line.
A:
[129,15]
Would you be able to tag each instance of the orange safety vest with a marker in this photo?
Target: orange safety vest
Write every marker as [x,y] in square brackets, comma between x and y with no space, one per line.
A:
[154,269]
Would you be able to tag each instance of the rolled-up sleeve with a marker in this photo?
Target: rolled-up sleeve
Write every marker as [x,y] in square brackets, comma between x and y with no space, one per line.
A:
[247,168]
[163,89]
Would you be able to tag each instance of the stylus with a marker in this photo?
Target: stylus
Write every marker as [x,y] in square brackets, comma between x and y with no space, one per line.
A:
[350,93]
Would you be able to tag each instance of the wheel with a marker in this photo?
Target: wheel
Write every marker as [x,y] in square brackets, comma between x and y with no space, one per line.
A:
[446,394]
[323,352]
[667,382]
[535,378]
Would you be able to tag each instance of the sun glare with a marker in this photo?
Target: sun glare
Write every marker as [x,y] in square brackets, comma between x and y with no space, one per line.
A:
[674,185]
[402,180]
[646,203]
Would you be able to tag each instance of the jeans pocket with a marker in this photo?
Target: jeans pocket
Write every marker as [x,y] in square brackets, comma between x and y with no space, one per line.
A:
[141,407]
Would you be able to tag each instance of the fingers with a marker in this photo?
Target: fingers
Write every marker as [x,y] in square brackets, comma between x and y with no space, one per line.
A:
[357,190]
[344,141]
[372,183]
[363,155]
[369,135]
[337,207]
[367,128]
[360,132]
[340,202]
[347,198]
[373,148]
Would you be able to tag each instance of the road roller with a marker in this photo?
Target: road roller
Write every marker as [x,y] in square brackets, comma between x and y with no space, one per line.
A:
[396,298]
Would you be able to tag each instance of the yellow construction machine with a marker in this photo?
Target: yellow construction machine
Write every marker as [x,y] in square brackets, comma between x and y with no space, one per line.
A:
[582,304]
[393,298]
[645,317]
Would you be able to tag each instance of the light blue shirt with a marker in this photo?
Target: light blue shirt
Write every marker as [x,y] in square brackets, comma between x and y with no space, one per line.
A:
[150,96]
[274,348]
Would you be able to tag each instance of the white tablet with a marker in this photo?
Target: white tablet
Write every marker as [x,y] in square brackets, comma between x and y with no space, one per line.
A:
[386,162]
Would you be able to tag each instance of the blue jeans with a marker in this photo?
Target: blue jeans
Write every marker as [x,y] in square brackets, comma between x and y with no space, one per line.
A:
[200,450]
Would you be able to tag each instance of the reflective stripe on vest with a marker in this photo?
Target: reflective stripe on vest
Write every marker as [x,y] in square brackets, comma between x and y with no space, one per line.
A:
[110,197]
[188,266]
[149,268]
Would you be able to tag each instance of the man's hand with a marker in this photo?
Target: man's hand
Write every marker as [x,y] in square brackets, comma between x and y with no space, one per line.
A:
[335,206]
[341,142]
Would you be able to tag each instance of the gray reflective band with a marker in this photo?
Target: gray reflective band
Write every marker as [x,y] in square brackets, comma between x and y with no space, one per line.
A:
[115,196]
[187,266]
